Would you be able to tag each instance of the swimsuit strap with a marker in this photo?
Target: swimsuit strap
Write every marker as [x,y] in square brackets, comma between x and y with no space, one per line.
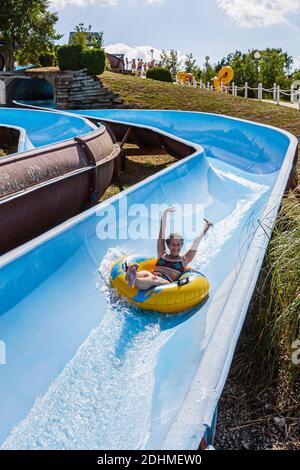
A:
[177,265]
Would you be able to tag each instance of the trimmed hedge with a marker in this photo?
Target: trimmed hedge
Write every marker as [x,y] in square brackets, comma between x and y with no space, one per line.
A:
[159,73]
[47,59]
[69,57]
[94,61]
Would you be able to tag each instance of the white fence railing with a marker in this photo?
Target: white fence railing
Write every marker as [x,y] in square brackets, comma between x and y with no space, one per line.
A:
[293,94]
[276,93]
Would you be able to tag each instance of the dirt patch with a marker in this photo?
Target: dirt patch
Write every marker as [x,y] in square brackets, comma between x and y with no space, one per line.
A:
[257,421]
[139,166]
[6,151]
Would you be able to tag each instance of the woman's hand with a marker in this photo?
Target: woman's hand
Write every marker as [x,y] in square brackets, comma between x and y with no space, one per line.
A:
[208,224]
[168,210]
[161,244]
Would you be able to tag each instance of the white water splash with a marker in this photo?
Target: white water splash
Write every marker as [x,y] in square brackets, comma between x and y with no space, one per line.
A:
[223,230]
[103,397]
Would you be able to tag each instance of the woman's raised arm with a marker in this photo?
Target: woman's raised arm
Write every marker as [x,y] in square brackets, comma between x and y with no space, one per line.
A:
[191,253]
[161,241]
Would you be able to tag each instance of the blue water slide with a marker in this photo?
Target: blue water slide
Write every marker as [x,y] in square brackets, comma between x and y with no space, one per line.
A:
[85,370]
[41,128]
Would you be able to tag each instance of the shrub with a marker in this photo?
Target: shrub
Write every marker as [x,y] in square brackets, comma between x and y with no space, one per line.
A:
[94,61]
[69,57]
[159,73]
[47,59]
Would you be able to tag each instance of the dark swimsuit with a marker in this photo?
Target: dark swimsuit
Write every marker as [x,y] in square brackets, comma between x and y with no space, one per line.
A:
[176,265]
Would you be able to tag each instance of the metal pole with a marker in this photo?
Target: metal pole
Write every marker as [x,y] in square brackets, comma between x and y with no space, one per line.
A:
[256,63]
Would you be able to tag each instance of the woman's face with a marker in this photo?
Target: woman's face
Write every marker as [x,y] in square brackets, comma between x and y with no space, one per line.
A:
[175,246]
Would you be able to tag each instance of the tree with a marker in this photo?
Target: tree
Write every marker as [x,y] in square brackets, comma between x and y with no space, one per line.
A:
[208,72]
[170,61]
[243,65]
[190,64]
[80,35]
[274,67]
[98,41]
[83,35]
[295,75]
[198,73]
[27,26]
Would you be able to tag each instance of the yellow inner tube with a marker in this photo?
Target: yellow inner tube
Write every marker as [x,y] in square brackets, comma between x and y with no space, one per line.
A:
[192,288]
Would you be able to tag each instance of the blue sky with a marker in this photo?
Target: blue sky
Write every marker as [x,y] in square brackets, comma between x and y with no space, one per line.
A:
[203,27]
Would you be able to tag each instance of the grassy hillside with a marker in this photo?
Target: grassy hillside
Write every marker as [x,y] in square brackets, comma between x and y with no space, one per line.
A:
[151,94]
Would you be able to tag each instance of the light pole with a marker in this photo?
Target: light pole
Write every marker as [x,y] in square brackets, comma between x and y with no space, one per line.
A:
[257,56]
[207,62]
[152,54]
[206,67]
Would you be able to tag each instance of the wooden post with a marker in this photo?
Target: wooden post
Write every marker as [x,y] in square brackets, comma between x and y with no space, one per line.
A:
[274,92]
[278,95]
[233,88]
[292,94]
[260,91]
[246,90]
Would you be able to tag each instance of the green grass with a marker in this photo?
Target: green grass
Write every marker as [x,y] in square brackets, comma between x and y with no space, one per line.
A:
[273,323]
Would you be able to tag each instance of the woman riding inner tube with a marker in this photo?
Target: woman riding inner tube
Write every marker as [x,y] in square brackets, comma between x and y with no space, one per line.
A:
[166,283]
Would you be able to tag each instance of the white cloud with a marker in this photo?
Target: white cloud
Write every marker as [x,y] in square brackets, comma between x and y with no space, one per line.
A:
[138,52]
[296,64]
[63,3]
[259,13]
[82,3]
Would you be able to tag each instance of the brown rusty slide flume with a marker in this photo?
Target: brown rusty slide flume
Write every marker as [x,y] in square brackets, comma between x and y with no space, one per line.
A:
[44,186]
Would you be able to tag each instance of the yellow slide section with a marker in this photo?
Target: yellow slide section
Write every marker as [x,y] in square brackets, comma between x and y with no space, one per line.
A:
[225,76]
